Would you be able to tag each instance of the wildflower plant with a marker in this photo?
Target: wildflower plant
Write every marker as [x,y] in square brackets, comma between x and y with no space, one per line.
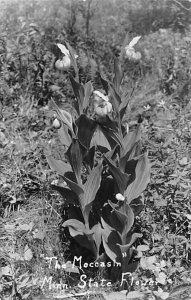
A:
[104,168]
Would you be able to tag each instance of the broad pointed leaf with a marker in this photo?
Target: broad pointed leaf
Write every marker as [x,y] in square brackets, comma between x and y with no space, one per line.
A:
[77,227]
[86,129]
[88,89]
[121,178]
[75,158]
[105,84]
[118,75]
[58,165]
[126,217]
[112,136]
[137,205]
[73,60]
[99,139]
[76,188]
[142,171]
[115,99]
[125,248]
[106,231]
[97,235]
[130,139]
[78,90]
[65,138]
[90,188]
[68,195]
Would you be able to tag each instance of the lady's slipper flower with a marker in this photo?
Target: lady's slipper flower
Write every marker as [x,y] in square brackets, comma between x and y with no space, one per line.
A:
[102,106]
[130,52]
[65,63]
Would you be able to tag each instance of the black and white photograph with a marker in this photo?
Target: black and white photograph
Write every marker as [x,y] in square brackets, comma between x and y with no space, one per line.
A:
[95,149]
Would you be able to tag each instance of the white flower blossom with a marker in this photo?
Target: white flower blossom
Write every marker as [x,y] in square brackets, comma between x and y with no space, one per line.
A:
[102,106]
[130,52]
[64,63]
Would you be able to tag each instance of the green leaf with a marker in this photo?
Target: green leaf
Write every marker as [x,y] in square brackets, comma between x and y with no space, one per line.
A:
[58,165]
[142,173]
[86,129]
[130,139]
[112,136]
[68,195]
[118,74]
[75,158]
[106,231]
[105,84]
[65,138]
[76,188]
[125,248]
[90,189]
[125,100]
[121,178]
[99,139]
[115,99]
[78,90]
[126,216]
[73,60]
[97,235]
[77,227]
[89,157]
[137,205]
[84,236]
[88,88]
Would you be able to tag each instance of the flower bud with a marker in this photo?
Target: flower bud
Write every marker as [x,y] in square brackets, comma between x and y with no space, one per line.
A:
[56,123]
[119,197]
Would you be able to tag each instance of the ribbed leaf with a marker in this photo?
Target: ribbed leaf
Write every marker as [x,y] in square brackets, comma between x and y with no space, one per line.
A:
[130,139]
[142,173]
[126,217]
[65,138]
[97,235]
[76,188]
[90,188]
[86,129]
[76,226]
[75,158]
[115,99]
[106,231]
[99,139]
[124,248]
[118,74]
[88,88]
[78,90]
[73,60]
[58,165]
[121,178]
[68,195]
[105,84]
